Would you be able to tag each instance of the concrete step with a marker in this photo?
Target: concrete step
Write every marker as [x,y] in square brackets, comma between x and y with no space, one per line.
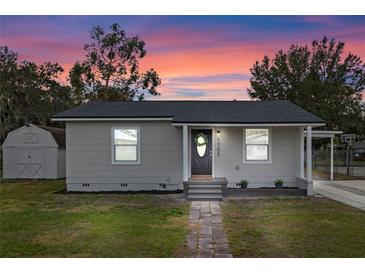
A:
[200,189]
[205,191]
[207,182]
[205,197]
[191,186]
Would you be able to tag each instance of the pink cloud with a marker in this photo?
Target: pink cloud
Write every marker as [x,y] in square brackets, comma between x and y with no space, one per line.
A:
[184,51]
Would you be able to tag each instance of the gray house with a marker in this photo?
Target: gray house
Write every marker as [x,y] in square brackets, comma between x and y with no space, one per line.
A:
[34,152]
[162,145]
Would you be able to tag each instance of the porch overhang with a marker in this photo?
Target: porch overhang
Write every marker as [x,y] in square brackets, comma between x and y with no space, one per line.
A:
[249,124]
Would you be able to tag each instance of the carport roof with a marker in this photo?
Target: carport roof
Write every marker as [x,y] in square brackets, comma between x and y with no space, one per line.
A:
[324,133]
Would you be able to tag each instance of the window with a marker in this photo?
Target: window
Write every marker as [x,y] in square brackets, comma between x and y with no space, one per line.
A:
[125,145]
[257,144]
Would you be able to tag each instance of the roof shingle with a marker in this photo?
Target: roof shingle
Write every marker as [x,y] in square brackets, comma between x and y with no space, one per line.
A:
[196,111]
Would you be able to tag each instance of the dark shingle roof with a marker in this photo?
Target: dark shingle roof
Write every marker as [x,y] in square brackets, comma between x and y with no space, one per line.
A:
[197,111]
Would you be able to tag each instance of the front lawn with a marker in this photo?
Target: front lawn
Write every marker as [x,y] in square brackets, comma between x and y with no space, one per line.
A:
[36,222]
[299,227]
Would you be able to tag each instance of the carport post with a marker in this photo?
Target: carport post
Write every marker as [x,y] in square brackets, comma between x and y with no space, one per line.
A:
[309,161]
[331,158]
[301,152]
[185,153]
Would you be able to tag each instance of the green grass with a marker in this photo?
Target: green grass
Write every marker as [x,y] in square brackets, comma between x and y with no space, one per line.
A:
[299,227]
[36,222]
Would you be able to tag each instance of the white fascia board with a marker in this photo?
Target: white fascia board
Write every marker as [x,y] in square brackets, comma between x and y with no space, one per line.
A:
[324,133]
[108,119]
[251,125]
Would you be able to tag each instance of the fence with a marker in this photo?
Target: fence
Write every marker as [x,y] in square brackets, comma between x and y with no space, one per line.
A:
[347,162]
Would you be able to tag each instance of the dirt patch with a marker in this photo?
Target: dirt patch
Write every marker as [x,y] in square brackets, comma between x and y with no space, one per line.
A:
[179,221]
[62,235]
[84,208]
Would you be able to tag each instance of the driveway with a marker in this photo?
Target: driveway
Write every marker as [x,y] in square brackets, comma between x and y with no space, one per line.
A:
[348,192]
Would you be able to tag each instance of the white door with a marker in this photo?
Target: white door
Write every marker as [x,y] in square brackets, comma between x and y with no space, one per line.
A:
[22,162]
[31,162]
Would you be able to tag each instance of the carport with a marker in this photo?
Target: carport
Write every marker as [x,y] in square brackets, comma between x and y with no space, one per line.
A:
[320,134]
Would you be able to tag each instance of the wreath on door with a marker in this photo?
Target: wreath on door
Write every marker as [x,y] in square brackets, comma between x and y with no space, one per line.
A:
[201,139]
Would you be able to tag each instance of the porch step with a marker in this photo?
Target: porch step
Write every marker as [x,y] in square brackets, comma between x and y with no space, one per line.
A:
[204,186]
[215,181]
[201,177]
[205,197]
[205,191]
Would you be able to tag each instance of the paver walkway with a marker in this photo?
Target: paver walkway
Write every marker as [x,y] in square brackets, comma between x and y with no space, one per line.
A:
[348,192]
[207,238]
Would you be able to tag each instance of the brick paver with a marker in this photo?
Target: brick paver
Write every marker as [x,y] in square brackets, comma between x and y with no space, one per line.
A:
[207,238]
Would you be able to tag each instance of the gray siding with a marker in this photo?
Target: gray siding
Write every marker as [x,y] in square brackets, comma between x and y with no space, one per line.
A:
[285,158]
[89,157]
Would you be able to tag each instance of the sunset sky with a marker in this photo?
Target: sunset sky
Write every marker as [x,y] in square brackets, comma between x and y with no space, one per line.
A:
[197,57]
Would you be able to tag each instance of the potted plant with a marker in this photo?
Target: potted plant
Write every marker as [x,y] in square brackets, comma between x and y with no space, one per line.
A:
[279,183]
[243,183]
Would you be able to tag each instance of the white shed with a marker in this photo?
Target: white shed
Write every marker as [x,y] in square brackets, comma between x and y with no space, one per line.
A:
[35,152]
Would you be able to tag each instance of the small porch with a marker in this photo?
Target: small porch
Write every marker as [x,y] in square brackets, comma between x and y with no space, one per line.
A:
[225,159]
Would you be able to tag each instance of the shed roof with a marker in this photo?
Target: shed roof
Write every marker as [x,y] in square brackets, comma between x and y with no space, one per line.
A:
[59,134]
[196,111]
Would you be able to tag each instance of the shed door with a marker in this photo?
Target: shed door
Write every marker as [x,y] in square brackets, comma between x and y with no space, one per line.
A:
[31,162]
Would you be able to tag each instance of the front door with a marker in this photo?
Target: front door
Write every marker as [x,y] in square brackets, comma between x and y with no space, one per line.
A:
[201,152]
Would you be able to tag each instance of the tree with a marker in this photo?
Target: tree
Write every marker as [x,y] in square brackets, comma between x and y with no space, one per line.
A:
[8,71]
[39,92]
[111,68]
[321,80]
[29,92]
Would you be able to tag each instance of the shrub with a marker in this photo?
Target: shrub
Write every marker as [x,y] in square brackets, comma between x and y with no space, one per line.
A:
[279,183]
[243,183]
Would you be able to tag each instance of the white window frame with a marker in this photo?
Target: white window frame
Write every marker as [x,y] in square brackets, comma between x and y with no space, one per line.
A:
[269,150]
[126,162]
